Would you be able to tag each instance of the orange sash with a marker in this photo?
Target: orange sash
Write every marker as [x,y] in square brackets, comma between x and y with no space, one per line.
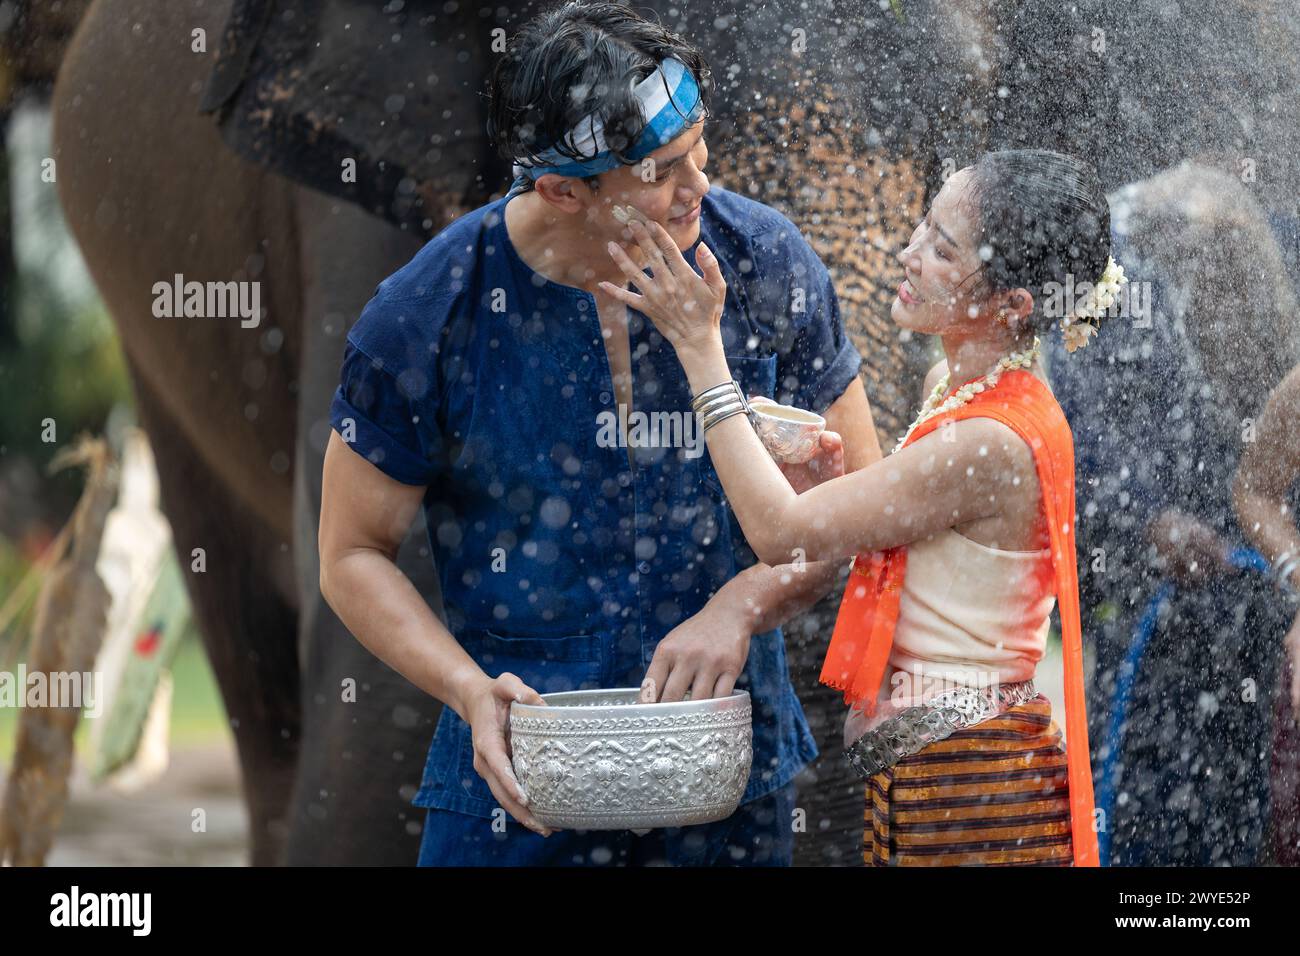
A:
[864,628]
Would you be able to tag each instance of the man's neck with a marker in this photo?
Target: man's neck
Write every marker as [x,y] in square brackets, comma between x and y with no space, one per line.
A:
[562,248]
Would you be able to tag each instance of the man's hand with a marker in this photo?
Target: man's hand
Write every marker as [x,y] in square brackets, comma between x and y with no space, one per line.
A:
[706,654]
[488,714]
[1191,550]
[703,655]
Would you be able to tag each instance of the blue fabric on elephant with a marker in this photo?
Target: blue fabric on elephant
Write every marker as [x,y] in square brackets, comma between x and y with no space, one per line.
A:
[469,373]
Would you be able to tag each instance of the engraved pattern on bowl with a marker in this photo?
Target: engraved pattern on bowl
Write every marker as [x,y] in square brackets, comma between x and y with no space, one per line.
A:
[598,760]
[791,442]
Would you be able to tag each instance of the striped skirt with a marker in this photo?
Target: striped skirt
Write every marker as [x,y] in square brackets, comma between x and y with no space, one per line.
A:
[995,794]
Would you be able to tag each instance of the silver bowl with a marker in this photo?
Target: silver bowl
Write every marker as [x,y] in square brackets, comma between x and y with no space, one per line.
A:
[790,434]
[598,760]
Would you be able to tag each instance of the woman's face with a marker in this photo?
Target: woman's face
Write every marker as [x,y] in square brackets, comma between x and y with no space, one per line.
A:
[940,265]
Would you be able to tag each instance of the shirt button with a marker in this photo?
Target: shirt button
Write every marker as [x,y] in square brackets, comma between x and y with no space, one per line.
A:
[643,567]
[604,398]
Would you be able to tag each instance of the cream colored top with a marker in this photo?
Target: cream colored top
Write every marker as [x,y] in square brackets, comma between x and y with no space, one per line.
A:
[968,614]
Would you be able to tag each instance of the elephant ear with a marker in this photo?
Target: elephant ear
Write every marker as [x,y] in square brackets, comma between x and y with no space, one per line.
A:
[335,108]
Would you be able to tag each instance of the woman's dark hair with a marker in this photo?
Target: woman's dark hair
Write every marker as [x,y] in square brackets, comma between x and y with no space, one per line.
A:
[1042,216]
[574,60]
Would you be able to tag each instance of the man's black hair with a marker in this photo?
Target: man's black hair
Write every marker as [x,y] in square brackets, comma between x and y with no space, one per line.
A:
[574,60]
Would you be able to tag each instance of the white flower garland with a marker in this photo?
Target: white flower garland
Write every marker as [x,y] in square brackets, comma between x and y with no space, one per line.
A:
[968,391]
[1076,328]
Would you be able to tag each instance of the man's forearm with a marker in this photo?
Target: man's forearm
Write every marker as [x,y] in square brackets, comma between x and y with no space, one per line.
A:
[767,597]
[384,611]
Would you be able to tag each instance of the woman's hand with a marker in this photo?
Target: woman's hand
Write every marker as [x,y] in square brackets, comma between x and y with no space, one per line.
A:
[487,711]
[685,308]
[826,463]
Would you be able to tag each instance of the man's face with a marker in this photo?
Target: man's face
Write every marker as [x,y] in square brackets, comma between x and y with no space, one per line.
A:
[667,186]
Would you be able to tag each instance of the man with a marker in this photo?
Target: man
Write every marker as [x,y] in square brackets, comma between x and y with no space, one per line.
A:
[579,546]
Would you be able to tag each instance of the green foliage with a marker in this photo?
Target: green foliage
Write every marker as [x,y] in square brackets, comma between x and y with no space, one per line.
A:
[68,367]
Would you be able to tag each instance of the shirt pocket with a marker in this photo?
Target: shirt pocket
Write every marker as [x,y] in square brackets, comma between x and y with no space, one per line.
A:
[546,664]
[756,375]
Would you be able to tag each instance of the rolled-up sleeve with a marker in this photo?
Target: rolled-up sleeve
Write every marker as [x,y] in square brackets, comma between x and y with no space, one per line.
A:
[816,359]
[384,416]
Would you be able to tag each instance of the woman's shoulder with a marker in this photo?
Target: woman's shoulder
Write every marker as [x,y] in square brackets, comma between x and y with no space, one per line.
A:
[932,377]
[994,437]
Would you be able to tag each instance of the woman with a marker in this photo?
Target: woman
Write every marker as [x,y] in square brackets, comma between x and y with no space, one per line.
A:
[960,536]
[1265,492]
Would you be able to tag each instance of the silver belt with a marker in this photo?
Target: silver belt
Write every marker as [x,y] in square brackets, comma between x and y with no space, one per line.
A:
[912,730]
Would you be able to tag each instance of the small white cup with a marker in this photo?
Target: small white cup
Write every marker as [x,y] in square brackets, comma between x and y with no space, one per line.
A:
[789,434]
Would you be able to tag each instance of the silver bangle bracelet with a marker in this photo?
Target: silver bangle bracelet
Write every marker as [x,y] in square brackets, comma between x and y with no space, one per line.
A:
[716,402]
[721,415]
[720,402]
[726,388]
[1279,569]
[718,408]
[1282,574]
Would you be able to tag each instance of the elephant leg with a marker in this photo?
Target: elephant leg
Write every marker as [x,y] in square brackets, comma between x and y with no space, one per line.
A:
[239,594]
[362,751]
[151,192]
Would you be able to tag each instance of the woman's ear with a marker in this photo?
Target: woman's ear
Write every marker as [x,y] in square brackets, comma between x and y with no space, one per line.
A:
[1019,304]
[1012,309]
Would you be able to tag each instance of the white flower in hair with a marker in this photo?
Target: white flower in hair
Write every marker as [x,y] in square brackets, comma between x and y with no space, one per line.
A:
[1077,327]
[1076,334]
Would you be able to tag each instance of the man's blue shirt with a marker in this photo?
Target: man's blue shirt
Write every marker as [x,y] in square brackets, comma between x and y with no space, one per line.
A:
[469,373]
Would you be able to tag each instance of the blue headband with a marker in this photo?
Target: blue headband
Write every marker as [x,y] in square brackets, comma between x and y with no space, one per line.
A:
[670,101]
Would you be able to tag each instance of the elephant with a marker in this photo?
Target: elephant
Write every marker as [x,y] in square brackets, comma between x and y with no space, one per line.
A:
[845,116]
[238,416]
